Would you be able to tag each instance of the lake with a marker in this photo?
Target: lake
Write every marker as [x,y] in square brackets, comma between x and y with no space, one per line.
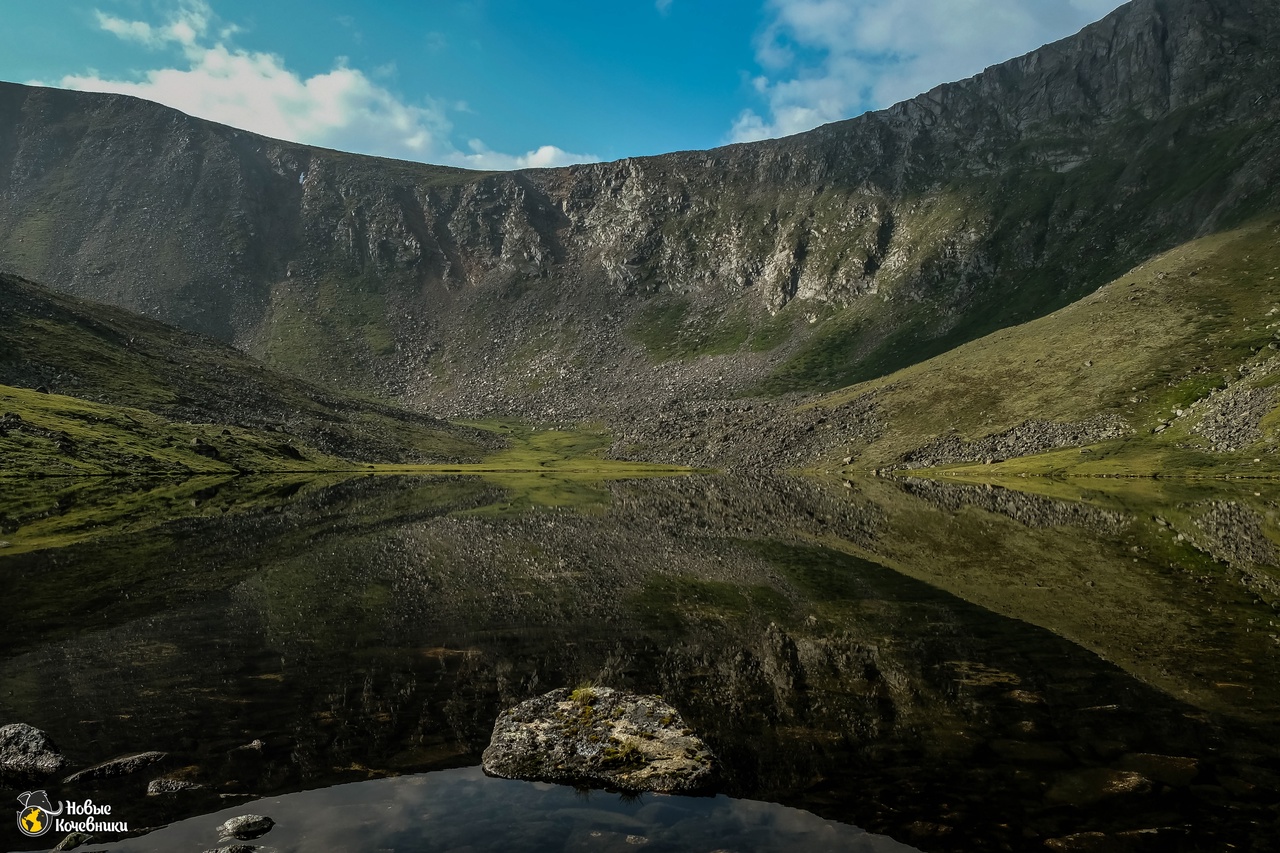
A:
[881,664]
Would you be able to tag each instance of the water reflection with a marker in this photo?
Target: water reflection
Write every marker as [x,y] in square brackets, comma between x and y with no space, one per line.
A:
[462,809]
[957,667]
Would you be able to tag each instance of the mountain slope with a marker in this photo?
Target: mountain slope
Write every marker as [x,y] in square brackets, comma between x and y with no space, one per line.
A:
[108,356]
[1170,369]
[802,263]
[52,435]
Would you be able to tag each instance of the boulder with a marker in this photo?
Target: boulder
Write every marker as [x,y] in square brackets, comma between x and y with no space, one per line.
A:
[246,826]
[600,737]
[27,751]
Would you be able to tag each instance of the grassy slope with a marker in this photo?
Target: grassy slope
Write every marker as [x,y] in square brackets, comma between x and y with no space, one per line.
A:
[55,435]
[1049,238]
[1151,342]
[108,355]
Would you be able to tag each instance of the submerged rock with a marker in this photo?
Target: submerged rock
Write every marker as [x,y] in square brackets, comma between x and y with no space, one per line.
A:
[246,826]
[28,751]
[600,737]
[122,766]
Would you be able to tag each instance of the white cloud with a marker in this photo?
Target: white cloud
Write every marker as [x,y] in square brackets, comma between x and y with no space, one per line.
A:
[831,59]
[342,108]
[664,6]
[138,31]
[544,157]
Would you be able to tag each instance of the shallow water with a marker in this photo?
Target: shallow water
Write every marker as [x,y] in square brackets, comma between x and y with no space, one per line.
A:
[464,810]
[955,667]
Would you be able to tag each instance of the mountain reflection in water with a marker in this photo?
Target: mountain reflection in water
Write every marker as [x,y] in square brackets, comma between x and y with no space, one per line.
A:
[957,667]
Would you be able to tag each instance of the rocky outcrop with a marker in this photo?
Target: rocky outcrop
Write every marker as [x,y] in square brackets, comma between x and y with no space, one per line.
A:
[1232,417]
[1025,439]
[600,737]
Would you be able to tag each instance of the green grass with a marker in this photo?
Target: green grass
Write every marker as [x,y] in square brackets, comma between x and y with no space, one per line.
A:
[1152,341]
[670,328]
[107,355]
[334,328]
[540,469]
[65,436]
[1050,237]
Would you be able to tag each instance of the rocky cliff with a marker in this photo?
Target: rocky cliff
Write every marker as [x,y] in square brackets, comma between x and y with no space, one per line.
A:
[802,263]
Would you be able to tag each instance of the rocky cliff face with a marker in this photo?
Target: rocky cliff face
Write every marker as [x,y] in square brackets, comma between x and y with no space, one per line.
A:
[805,262]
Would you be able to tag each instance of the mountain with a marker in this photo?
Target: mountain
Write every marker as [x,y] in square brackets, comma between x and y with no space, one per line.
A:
[801,264]
[1171,369]
[143,388]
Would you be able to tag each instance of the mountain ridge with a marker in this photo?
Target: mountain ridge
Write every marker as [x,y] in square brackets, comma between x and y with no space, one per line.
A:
[805,263]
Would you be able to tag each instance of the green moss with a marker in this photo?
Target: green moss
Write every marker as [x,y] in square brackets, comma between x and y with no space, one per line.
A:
[829,358]
[545,468]
[623,756]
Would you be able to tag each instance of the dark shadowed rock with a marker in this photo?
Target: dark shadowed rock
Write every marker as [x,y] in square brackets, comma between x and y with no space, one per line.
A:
[599,737]
[246,826]
[27,751]
[122,766]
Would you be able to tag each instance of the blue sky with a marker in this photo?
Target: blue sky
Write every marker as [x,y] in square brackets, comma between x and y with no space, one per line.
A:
[511,83]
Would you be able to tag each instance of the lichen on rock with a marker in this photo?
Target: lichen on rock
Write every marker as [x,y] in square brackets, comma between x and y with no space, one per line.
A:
[600,737]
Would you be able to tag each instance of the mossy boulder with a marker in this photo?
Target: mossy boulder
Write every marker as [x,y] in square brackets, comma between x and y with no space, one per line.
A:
[602,738]
[27,751]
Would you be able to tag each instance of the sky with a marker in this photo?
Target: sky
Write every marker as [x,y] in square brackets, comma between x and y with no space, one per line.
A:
[505,84]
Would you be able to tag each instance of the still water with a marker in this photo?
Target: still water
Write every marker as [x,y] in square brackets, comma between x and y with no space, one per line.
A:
[879,665]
